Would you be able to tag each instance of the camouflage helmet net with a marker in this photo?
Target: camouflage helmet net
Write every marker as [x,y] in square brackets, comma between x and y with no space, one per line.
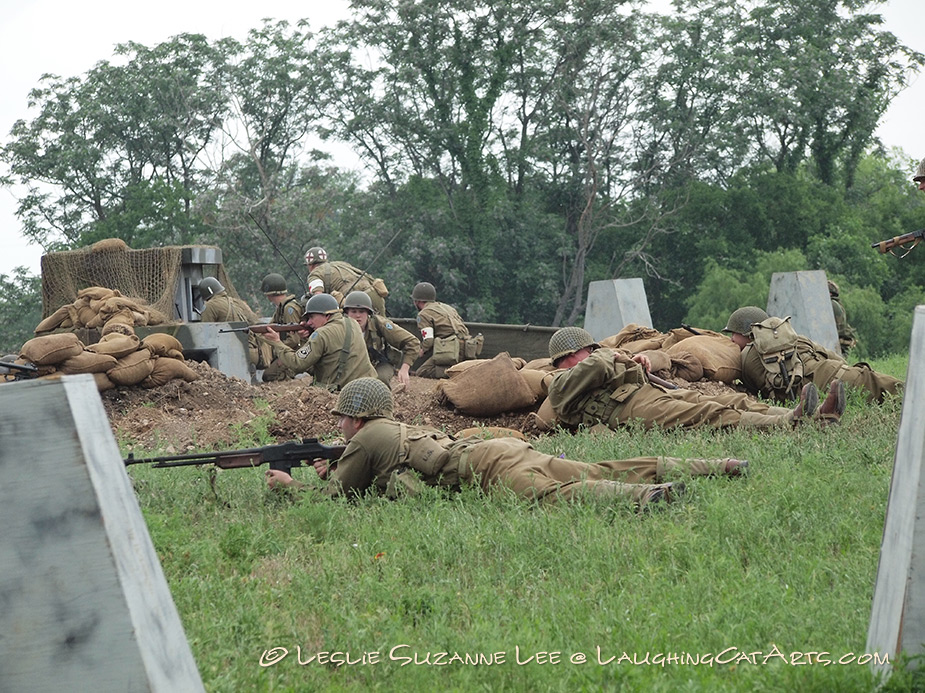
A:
[742,319]
[919,172]
[149,276]
[364,398]
[567,341]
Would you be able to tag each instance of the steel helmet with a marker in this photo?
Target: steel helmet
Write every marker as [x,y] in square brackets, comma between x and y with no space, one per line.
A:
[833,289]
[920,172]
[209,287]
[364,398]
[273,284]
[567,341]
[315,256]
[423,291]
[321,303]
[742,319]
[358,299]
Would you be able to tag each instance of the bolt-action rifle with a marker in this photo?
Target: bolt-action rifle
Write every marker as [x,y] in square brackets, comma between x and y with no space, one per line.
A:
[283,456]
[19,371]
[906,242]
[264,327]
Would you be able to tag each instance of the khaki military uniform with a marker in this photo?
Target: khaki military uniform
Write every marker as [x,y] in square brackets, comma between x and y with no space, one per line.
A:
[340,278]
[224,308]
[330,354]
[846,334]
[385,342]
[598,390]
[821,367]
[438,320]
[383,449]
[289,312]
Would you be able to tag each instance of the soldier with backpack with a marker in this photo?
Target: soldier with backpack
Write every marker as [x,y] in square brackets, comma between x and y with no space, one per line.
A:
[777,362]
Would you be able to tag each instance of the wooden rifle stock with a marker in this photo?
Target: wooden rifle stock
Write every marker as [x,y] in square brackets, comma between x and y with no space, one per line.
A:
[263,327]
[907,242]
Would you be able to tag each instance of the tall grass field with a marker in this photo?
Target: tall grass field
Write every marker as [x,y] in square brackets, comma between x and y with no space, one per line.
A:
[760,583]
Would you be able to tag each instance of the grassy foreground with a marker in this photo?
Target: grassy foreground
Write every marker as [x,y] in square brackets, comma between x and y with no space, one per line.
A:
[755,584]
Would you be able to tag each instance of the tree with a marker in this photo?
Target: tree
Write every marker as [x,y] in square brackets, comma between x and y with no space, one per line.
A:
[20,309]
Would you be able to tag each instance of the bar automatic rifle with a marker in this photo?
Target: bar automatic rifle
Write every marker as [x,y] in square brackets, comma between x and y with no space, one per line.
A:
[283,457]
[906,243]
[19,371]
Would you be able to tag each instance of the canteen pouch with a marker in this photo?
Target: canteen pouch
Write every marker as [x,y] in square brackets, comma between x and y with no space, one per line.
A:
[473,346]
[446,350]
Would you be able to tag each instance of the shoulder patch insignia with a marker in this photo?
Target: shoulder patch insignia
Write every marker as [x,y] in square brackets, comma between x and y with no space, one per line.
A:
[305,349]
[388,325]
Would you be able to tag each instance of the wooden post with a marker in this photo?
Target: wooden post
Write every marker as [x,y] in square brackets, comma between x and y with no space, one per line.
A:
[897,620]
[84,604]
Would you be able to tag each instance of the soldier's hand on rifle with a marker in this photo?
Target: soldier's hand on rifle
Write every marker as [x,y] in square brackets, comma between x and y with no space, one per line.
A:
[322,467]
[279,479]
[643,361]
[271,335]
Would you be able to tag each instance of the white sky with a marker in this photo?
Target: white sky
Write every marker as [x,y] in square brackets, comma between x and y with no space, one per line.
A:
[67,38]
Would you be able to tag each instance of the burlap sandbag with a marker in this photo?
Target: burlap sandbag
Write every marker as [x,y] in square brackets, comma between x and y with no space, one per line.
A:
[658,360]
[86,315]
[161,344]
[489,388]
[97,293]
[51,349]
[109,244]
[54,321]
[719,356]
[687,366]
[103,382]
[119,328]
[167,369]
[463,366]
[132,369]
[118,345]
[544,364]
[537,381]
[88,362]
[679,334]
[545,417]
[632,333]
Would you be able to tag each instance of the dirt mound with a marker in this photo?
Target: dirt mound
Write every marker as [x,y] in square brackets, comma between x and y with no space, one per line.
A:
[212,412]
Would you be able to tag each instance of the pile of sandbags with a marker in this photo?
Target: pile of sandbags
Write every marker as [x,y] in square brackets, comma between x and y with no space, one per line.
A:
[487,387]
[97,307]
[119,358]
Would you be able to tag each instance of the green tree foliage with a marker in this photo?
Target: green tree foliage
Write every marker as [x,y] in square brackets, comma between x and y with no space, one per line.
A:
[20,309]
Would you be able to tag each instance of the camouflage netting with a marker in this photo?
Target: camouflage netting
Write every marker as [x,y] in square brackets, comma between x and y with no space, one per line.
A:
[149,276]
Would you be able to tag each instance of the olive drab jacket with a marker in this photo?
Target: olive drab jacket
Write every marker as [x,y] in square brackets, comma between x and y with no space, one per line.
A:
[289,312]
[334,354]
[440,320]
[224,308]
[340,278]
[383,336]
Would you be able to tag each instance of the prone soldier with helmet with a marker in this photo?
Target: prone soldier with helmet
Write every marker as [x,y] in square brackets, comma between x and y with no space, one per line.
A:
[919,177]
[387,455]
[338,278]
[609,386]
[384,339]
[334,353]
[445,339]
[814,363]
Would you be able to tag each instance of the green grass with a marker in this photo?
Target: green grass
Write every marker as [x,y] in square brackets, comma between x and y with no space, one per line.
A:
[780,562]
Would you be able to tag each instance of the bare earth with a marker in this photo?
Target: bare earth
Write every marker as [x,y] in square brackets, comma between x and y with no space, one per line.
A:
[205,414]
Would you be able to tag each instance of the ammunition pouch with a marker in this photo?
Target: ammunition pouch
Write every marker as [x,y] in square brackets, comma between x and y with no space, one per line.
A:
[446,350]
[473,347]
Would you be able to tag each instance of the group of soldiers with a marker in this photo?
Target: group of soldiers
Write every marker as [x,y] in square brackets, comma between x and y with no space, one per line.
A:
[348,345]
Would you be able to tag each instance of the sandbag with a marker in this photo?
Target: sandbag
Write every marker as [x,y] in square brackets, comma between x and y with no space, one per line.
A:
[51,349]
[658,360]
[88,362]
[719,356]
[489,388]
[97,293]
[544,364]
[103,382]
[167,369]
[537,381]
[687,366]
[117,344]
[132,369]
[108,244]
[631,333]
[679,334]
[118,327]
[545,417]
[162,344]
[54,321]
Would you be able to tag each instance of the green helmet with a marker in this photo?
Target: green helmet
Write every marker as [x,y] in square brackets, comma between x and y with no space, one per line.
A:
[209,287]
[273,284]
[423,291]
[919,172]
[321,303]
[567,341]
[742,319]
[315,256]
[358,299]
[364,398]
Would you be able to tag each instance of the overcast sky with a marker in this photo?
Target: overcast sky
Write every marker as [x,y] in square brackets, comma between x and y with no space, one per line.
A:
[67,38]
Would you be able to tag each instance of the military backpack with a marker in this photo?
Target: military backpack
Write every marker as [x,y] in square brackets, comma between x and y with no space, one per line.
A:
[775,340]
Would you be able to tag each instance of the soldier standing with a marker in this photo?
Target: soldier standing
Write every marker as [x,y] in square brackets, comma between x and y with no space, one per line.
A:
[444,335]
[384,339]
[288,311]
[382,453]
[338,278]
[334,353]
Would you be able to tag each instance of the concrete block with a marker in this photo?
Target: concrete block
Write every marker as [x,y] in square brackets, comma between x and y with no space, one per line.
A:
[805,297]
[897,620]
[84,604]
[615,303]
